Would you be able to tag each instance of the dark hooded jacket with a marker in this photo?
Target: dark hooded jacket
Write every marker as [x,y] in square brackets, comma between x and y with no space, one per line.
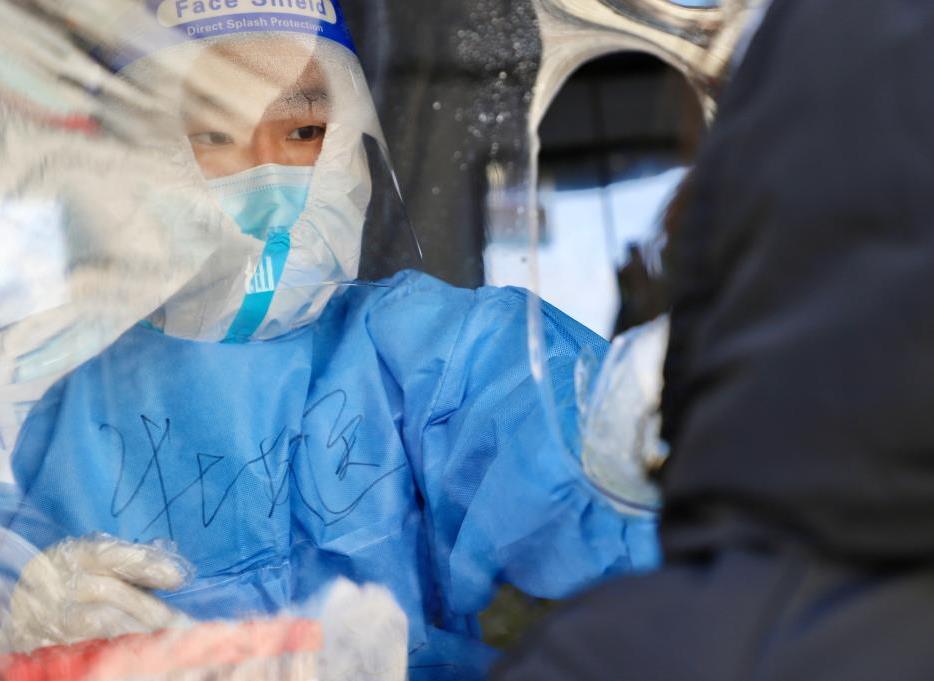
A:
[799,518]
[799,396]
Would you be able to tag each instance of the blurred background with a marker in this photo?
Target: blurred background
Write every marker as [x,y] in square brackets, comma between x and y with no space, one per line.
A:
[454,85]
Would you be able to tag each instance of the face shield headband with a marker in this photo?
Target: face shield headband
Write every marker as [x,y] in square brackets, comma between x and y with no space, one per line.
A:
[226,55]
[161,24]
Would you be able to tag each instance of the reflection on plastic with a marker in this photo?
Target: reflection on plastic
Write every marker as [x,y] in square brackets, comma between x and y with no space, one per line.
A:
[620,420]
[697,39]
[99,229]
[32,260]
[699,42]
[109,216]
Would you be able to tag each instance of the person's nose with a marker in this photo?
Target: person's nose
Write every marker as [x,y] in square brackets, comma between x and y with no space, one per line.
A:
[264,149]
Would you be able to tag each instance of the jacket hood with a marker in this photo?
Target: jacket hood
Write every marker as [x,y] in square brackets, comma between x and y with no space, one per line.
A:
[801,366]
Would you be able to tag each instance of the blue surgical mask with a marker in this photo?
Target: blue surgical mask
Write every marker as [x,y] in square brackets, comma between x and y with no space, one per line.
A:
[266,202]
[266,199]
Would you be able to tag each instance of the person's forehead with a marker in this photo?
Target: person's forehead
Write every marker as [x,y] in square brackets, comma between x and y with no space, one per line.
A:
[261,59]
[256,75]
[270,57]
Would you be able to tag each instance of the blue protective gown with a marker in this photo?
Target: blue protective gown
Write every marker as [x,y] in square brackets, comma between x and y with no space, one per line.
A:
[399,439]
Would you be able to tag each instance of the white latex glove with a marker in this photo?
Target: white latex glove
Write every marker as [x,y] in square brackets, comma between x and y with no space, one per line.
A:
[621,423]
[89,588]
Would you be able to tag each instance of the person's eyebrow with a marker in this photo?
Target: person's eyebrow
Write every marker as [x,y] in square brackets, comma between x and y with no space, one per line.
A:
[202,108]
[298,100]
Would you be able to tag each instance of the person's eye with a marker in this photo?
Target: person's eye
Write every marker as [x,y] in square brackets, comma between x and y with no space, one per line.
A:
[307,133]
[211,139]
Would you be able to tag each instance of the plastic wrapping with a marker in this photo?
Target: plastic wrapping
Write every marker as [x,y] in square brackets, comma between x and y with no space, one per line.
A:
[97,101]
[101,225]
[619,440]
[126,209]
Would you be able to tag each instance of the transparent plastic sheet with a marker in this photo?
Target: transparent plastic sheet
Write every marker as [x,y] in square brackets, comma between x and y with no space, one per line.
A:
[99,227]
[490,76]
[372,422]
[129,216]
[618,394]
[97,164]
[108,216]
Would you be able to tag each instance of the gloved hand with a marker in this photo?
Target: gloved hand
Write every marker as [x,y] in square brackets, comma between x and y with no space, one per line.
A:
[94,587]
[620,419]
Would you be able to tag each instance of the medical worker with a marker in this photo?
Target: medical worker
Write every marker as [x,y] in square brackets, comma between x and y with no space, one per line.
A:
[289,417]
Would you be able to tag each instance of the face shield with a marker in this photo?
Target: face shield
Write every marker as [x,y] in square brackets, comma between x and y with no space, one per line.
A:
[275,114]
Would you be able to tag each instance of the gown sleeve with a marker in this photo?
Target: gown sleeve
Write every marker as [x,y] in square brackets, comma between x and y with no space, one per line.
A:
[503,491]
